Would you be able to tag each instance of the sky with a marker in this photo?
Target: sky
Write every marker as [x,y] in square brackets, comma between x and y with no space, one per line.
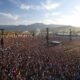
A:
[25,12]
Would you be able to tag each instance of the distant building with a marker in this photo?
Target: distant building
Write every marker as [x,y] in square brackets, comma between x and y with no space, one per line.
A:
[26,34]
[62,33]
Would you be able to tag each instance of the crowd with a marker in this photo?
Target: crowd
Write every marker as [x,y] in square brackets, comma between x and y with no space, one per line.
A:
[27,59]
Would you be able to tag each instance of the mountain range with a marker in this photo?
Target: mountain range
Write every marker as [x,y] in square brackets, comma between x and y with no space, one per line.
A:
[32,27]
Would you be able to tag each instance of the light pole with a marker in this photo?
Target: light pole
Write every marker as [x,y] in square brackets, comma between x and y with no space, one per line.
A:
[47,36]
[70,35]
[2,40]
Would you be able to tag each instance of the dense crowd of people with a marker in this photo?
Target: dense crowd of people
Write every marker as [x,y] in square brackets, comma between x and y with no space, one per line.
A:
[29,59]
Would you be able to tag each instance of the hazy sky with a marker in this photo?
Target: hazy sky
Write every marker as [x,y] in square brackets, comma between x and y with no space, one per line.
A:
[40,11]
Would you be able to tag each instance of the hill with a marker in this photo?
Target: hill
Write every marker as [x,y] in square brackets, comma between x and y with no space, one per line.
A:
[35,26]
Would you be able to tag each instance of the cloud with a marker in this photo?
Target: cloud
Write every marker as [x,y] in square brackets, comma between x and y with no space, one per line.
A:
[77,9]
[9,15]
[71,19]
[20,5]
[50,6]
[51,14]
[65,19]
[28,7]
[25,7]
[42,6]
